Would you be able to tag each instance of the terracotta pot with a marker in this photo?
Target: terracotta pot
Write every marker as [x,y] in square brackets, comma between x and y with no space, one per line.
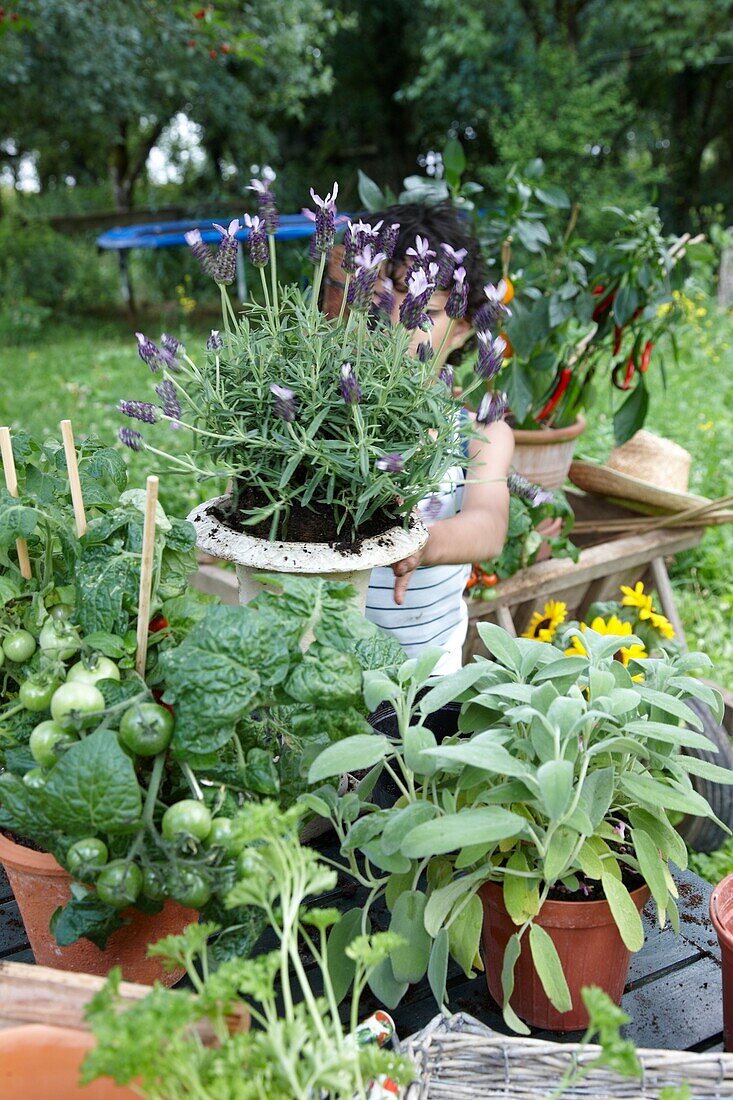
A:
[721,914]
[334,281]
[544,455]
[40,1061]
[589,945]
[41,885]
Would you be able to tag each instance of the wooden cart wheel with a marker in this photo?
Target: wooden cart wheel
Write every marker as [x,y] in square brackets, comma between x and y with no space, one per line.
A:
[701,833]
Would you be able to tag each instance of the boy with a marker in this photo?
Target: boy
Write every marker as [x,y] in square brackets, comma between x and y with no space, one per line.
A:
[420,599]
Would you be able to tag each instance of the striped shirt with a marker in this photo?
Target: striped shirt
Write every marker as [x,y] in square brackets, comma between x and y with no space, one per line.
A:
[434,612]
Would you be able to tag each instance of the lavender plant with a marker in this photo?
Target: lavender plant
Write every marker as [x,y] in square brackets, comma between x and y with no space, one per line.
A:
[308,414]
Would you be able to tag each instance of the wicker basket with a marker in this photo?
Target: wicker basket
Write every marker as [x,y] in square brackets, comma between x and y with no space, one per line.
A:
[458,1058]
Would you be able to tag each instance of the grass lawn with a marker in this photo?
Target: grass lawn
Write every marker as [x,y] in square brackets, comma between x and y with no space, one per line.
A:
[81,370]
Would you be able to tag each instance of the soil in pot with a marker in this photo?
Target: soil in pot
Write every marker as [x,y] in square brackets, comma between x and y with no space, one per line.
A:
[41,885]
[304,524]
[38,1062]
[589,945]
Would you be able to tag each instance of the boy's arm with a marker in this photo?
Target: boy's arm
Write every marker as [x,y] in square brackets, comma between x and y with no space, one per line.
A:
[478,532]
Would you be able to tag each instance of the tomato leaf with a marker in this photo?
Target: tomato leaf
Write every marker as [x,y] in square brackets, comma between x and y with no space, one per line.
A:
[93,788]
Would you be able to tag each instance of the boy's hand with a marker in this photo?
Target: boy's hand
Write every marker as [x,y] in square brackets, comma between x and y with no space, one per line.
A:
[403,571]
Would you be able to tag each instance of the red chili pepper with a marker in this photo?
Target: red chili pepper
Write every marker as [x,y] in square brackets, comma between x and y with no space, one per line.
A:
[605,303]
[628,374]
[646,356]
[617,337]
[158,622]
[598,289]
[562,385]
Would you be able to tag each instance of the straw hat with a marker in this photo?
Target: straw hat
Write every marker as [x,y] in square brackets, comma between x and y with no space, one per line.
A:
[647,474]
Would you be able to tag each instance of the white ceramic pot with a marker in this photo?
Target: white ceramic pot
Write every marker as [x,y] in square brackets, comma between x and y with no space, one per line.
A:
[319,559]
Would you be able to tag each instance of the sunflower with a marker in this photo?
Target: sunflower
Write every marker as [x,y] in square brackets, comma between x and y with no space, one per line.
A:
[544,623]
[662,624]
[637,597]
[614,625]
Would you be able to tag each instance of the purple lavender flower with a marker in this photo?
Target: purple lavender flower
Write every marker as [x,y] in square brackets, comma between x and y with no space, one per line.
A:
[215,342]
[200,249]
[448,260]
[392,464]
[150,353]
[531,494]
[388,239]
[166,391]
[419,292]
[446,375]
[490,354]
[325,219]
[349,383]
[350,250]
[259,249]
[131,439]
[361,288]
[425,351]
[493,310]
[225,261]
[432,507]
[385,298]
[266,202]
[139,410]
[421,253]
[284,402]
[493,406]
[457,303]
[620,828]
[171,344]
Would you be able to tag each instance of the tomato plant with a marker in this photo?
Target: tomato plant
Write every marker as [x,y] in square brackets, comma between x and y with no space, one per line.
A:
[94,669]
[119,883]
[87,857]
[73,703]
[19,646]
[146,729]
[36,694]
[187,818]
[190,888]
[47,741]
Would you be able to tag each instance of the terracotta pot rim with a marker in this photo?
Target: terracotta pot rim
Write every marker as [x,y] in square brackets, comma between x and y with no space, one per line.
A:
[20,858]
[568,914]
[723,931]
[541,437]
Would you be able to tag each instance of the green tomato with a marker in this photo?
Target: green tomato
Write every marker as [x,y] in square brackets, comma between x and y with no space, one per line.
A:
[102,669]
[37,694]
[119,883]
[59,639]
[35,779]
[19,646]
[186,818]
[248,864]
[154,884]
[86,858]
[146,729]
[189,888]
[73,703]
[45,741]
[220,836]
[61,611]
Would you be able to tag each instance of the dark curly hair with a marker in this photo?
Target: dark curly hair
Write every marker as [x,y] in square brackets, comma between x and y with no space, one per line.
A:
[441,223]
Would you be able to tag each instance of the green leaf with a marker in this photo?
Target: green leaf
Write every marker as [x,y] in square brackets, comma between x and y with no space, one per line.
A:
[561,847]
[556,786]
[351,754]
[9,590]
[410,959]
[549,968]
[402,821]
[671,705]
[443,899]
[93,788]
[453,831]
[483,754]
[465,935]
[500,645]
[667,839]
[109,644]
[552,196]
[17,520]
[713,772]
[438,966]
[511,954]
[590,862]
[85,915]
[650,864]
[418,742]
[652,792]
[597,793]
[107,583]
[630,417]
[454,158]
[340,967]
[327,677]
[370,194]
[670,734]
[624,912]
[450,688]
[385,987]
[625,304]
[378,689]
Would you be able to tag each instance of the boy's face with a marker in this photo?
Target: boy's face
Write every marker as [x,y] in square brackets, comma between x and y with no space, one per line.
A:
[436,312]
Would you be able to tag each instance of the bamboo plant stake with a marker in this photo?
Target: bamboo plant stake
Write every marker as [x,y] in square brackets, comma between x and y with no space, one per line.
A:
[146,574]
[72,466]
[11,483]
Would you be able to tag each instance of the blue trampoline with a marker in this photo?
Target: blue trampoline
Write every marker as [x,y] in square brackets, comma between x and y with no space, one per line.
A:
[172,235]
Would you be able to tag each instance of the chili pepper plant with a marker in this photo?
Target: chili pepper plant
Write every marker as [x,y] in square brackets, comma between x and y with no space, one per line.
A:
[131,781]
[311,416]
[300,1048]
[559,782]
